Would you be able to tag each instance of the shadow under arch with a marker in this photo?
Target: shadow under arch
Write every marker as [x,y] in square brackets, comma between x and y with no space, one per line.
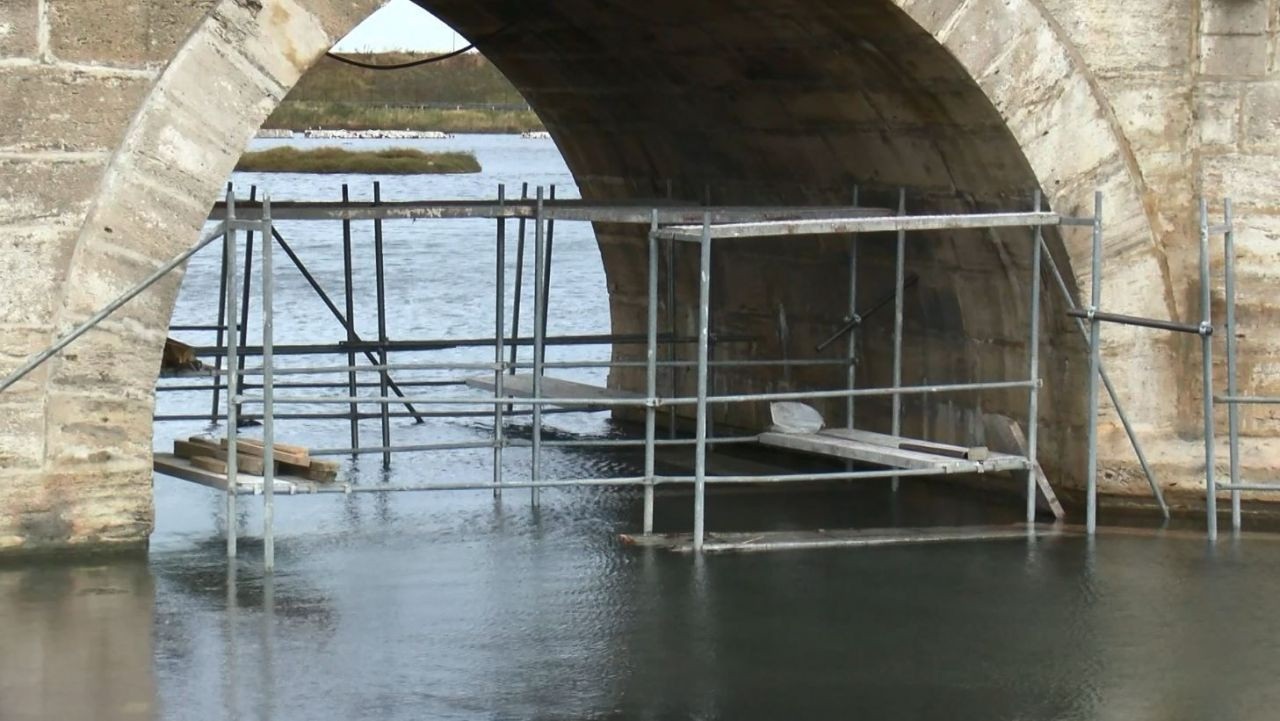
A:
[969,106]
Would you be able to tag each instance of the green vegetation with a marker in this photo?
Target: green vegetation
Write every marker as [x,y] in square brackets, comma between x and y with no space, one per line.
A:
[464,94]
[300,115]
[392,161]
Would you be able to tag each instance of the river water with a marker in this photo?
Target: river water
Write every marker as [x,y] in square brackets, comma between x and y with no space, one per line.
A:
[460,606]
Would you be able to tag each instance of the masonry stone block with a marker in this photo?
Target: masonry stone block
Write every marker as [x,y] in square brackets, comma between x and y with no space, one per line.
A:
[38,190]
[18,28]
[127,33]
[931,15]
[1234,55]
[1235,18]
[87,429]
[1152,111]
[1261,118]
[1248,178]
[1219,113]
[68,109]
[17,343]
[981,32]
[33,260]
[1117,38]
[21,430]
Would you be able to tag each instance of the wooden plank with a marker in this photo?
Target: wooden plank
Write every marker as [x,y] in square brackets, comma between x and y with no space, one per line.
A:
[204,441]
[284,448]
[852,449]
[323,471]
[520,385]
[318,471]
[171,465]
[886,450]
[1004,433]
[842,538]
[209,464]
[295,455]
[193,448]
[970,453]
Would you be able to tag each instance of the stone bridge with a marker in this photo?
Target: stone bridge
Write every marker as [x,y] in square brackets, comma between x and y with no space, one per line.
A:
[121,119]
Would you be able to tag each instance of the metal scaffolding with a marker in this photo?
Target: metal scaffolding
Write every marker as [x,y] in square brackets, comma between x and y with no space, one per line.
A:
[668,224]
[1094,316]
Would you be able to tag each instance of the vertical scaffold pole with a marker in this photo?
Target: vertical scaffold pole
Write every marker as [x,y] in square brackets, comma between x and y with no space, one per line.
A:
[700,443]
[246,290]
[1033,366]
[499,331]
[1233,409]
[651,375]
[268,395]
[348,292]
[672,371]
[670,354]
[1206,358]
[1069,300]
[852,345]
[233,375]
[538,341]
[1095,360]
[519,287]
[898,290]
[384,377]
[221,329]
[546,283]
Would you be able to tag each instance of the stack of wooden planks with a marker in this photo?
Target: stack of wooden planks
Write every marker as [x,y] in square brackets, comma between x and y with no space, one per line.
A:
[211,455]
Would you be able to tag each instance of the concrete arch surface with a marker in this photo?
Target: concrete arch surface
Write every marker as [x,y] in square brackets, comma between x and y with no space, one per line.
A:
[970,104]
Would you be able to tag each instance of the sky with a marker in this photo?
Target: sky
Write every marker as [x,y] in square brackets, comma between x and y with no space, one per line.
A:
[401,25]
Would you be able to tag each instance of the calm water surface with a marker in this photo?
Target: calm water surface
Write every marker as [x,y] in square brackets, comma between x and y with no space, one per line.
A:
[460,606]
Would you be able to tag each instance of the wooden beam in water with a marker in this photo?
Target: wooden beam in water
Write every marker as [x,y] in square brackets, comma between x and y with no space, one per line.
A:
[843,538]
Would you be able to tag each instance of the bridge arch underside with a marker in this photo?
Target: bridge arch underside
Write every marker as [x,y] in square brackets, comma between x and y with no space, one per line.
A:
[783,102]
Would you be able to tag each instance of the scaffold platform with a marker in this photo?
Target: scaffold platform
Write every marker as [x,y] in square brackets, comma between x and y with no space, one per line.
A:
[520,385]
[246,485]
[890,451]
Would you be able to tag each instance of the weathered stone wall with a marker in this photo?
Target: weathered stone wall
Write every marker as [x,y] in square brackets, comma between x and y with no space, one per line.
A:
[120,119]
[1235,147]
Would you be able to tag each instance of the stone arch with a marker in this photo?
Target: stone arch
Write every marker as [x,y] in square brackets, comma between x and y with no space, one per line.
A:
[151,202]
[970,103]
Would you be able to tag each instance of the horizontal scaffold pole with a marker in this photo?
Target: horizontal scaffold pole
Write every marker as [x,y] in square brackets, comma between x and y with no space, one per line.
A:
[1157,323]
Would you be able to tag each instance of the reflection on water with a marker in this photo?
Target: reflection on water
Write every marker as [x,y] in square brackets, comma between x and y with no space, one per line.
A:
[460,606]
[76,641]
[501,612]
